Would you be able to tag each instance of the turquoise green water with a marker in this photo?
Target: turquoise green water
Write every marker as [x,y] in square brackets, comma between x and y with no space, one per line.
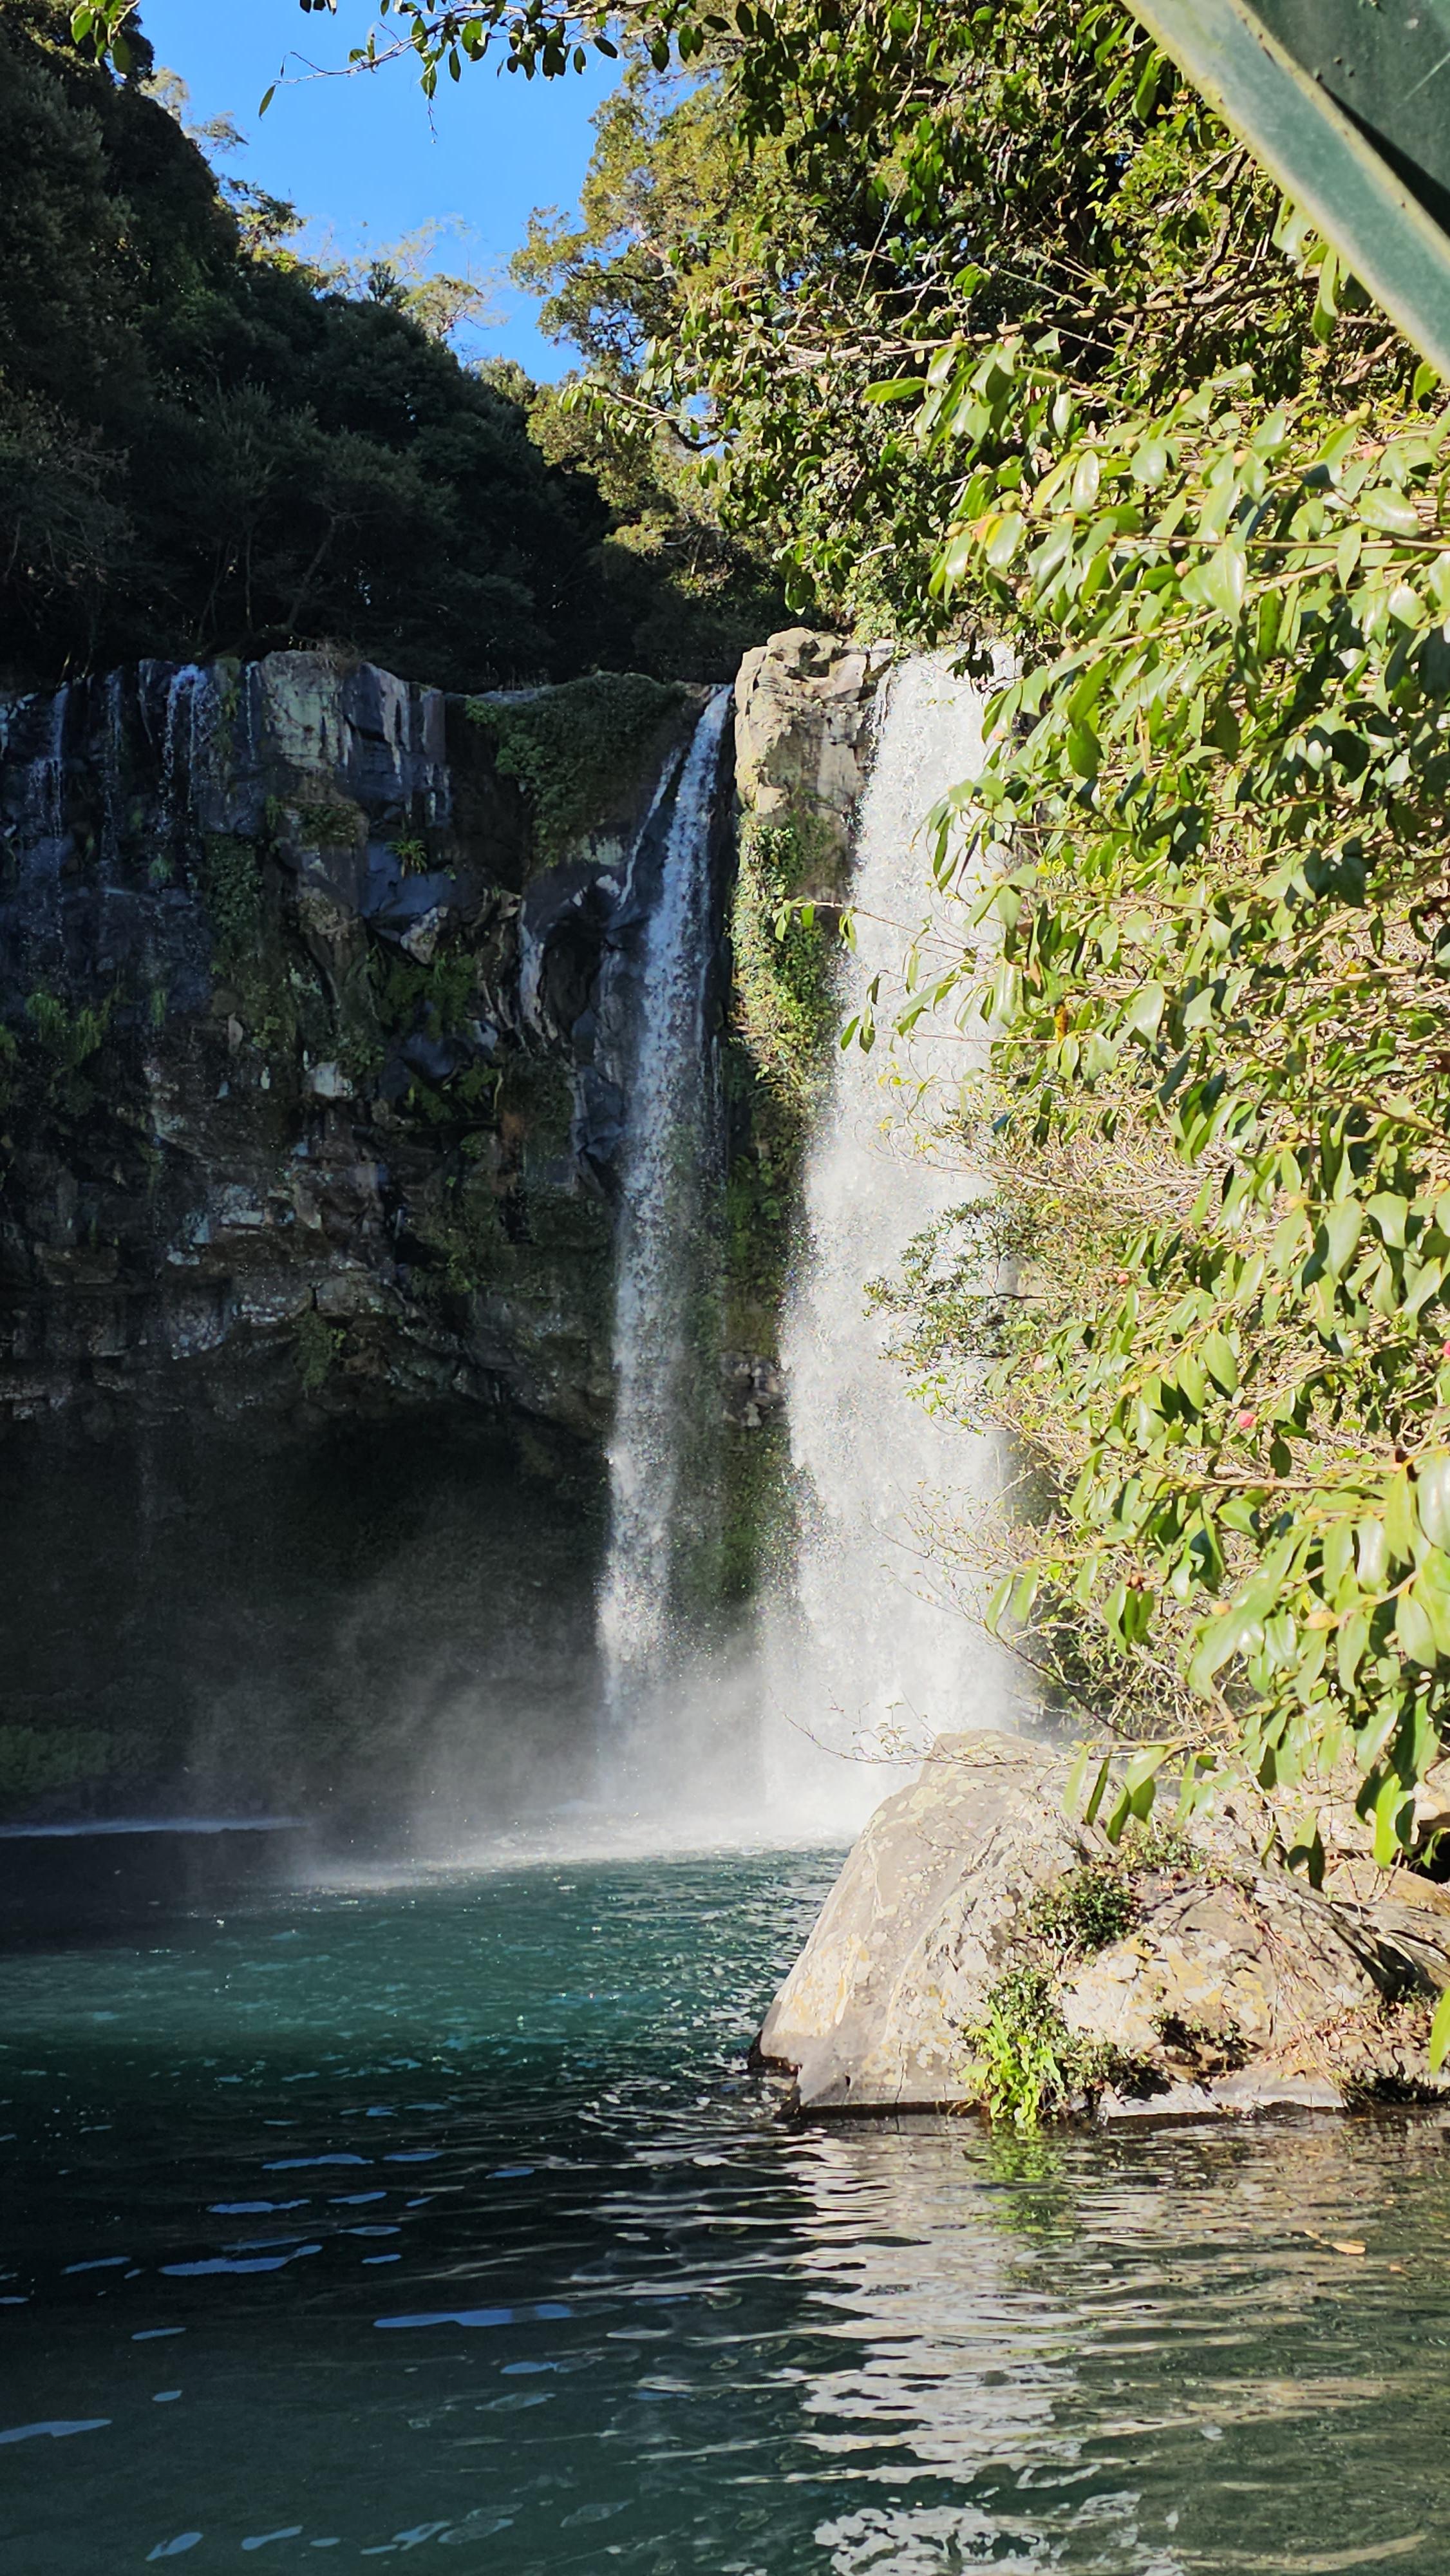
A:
[448,2220]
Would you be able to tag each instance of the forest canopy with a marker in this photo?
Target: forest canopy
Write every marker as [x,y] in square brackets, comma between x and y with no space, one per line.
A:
[206,447]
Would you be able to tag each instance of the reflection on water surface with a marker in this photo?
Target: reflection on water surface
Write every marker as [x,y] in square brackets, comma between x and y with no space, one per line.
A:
[446,2218]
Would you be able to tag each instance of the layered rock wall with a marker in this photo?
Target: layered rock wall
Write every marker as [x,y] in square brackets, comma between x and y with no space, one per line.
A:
[310,1071]
[316,997]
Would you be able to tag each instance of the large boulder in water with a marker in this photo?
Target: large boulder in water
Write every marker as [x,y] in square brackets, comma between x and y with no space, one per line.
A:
[913,1934]
[1178,1974]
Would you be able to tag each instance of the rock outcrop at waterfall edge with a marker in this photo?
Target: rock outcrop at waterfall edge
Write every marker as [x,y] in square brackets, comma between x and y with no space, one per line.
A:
[1223,1985]
[804,707]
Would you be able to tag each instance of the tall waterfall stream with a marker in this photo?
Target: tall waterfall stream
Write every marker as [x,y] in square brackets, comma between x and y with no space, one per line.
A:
[877,1651]
[668,1175]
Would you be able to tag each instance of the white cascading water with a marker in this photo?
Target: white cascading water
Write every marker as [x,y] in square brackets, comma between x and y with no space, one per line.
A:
[876,1652]
[666,1171]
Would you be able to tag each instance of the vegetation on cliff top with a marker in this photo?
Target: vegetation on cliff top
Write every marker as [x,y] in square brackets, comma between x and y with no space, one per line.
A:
[206,447]
[571,748]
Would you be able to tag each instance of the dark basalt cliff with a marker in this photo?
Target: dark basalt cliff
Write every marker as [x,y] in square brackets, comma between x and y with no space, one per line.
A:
[310,1044]
[315,998]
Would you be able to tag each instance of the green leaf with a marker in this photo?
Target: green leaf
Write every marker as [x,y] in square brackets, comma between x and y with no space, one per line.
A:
[1401,1525]
[1095,1799]
[1350,1648]
[1326,307]
[1415,1632]
[1216,1353]
[1341,1226]
[1306,1852]
[1225,579]
[1074,1793]
[1087,477]
[1389,511]
[1004,539]
[1373,1555]
[1145,1011]
[1432,1497]
[1389,1813]
[1440,2033]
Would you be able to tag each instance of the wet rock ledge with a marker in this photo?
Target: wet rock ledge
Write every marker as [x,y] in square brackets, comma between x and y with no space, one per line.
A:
[978,1940]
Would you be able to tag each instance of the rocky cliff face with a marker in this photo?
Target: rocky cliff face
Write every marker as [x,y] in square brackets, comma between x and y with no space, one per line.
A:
[803,714]
[315,998]
[310,1043]
[316,1001]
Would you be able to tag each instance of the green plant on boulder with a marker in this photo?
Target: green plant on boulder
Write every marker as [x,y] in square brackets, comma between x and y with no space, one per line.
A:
[1025,2063]
[1086,1910]
[1025,2059]
[572,748]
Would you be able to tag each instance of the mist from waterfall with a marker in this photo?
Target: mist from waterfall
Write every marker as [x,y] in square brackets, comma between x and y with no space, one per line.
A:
[874,1650]
[666,1395]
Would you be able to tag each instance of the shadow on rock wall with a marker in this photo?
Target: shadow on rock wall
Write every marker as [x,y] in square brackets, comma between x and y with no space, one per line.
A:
[350,1626]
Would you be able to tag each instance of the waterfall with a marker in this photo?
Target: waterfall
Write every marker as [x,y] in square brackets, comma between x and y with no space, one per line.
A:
[874,1654]
[668,1171]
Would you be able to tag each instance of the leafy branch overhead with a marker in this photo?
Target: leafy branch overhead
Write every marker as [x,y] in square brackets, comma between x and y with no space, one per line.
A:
[1217,808]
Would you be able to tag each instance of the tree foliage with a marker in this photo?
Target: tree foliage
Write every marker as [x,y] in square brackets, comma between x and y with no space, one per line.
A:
[209,443]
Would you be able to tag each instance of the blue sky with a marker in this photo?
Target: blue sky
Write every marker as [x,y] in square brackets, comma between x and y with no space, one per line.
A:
[360,155]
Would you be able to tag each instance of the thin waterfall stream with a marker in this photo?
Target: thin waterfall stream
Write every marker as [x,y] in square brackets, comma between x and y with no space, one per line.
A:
[669,1160]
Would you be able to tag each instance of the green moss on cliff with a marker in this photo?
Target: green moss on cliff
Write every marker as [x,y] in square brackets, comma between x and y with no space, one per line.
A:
[785,949]
[231,885]
[316,1345]
[248,954]
[574,749]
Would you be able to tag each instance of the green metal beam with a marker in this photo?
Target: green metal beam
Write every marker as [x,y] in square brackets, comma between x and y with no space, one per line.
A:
[1321,157]
[1387,63]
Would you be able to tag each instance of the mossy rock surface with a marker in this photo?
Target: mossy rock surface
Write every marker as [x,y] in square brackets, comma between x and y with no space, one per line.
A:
[581,754]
